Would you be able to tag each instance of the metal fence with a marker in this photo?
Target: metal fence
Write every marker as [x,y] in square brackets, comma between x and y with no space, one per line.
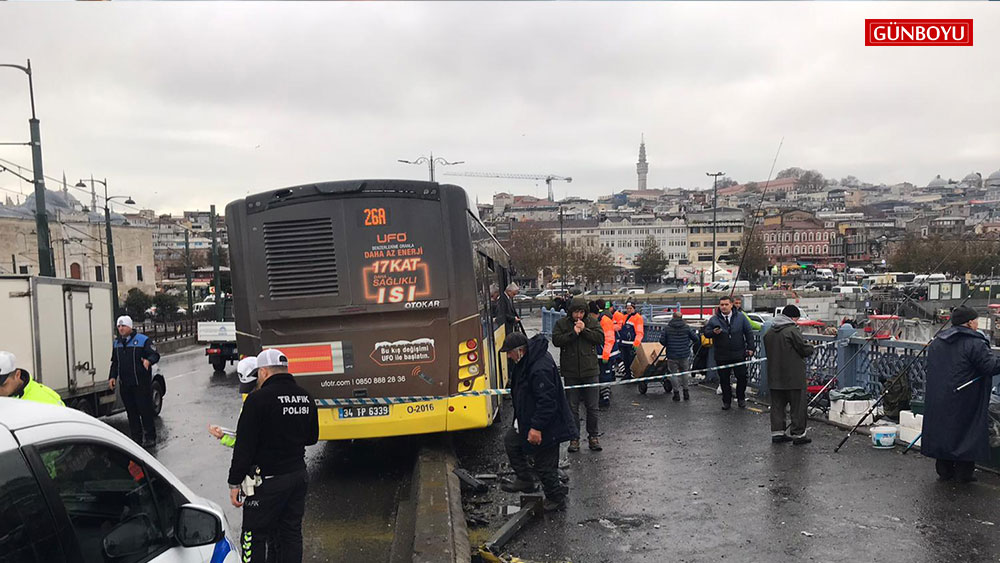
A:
[162,332]
[854,361]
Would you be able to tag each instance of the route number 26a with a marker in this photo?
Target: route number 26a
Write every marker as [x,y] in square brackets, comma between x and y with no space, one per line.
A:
[375,217]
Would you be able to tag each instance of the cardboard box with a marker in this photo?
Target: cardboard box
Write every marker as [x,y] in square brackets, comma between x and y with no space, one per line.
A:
[645,356]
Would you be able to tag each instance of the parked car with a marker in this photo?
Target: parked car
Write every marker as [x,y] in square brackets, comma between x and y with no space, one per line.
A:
[599,292]
[531,291]
[520,298]
[817,286]
[668,289]
[105,498]
[632,291]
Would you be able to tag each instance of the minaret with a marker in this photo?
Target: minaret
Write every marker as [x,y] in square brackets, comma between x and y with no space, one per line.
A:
[642,167]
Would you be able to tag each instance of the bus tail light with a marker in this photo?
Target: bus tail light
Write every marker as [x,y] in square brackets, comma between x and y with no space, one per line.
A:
[471,344]
[472,357]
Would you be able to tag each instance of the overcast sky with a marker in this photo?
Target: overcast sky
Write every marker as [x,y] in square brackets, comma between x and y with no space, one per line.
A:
[182,105]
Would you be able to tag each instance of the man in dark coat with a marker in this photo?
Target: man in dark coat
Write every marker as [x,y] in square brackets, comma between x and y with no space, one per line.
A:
[133,355]
[955,420]
[542,420]
[732,340]
[506,312]
[677,339]
[577,336]
[787,351]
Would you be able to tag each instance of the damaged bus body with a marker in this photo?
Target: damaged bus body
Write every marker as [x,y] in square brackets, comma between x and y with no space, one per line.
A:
[374,290]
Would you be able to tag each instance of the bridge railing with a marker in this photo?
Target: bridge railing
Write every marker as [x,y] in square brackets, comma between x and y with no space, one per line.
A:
[854,361]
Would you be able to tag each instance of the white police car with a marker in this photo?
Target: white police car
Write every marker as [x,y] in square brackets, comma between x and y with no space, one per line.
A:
[75,490]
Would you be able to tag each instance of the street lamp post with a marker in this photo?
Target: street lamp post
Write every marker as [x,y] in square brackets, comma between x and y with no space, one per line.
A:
[46,262]
[430,162]
[715,212]
[112,269]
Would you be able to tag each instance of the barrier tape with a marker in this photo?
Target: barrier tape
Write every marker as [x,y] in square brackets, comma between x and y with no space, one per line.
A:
[497,392]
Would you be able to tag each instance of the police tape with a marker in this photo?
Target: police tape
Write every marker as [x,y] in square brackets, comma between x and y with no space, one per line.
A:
[496,392]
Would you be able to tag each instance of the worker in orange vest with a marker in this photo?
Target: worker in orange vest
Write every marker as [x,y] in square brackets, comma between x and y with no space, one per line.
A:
[608,352]
[630,336]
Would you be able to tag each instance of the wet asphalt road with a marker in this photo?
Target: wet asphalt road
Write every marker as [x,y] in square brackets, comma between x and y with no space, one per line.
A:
[689,482]
[353,487]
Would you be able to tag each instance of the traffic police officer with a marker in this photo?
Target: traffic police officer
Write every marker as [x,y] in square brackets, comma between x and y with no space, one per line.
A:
[278,420]
[17,382]
[132,362]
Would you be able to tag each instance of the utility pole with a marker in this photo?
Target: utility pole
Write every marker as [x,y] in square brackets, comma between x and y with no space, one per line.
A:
[430,162]
[701,301]
[112,267]
[715,213]
[46,257]
[187,271]
[562,253]
[219,304]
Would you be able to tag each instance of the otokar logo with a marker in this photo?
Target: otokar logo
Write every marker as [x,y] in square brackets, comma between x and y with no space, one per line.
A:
[903,33]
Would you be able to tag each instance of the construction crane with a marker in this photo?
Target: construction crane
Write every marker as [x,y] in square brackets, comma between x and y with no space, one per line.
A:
[549,178]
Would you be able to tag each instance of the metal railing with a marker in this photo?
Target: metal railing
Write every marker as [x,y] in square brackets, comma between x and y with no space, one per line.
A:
[855,362]
[164,331]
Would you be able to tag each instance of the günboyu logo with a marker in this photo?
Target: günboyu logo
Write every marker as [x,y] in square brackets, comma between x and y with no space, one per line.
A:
[918,32]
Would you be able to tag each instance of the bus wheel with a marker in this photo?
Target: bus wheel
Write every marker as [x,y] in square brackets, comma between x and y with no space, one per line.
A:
[157,397]
[642,388]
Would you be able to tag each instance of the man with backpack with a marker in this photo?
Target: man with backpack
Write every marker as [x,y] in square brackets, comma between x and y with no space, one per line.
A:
[677,339]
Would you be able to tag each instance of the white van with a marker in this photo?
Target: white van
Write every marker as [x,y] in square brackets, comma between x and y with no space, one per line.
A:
[848,290]
[110,499]
[824,274]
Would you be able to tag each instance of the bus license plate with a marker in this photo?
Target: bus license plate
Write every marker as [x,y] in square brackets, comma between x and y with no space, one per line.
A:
[366,410]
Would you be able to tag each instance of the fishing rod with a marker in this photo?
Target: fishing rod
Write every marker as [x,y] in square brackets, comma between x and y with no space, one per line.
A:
[895,379]
[753,224]
[907,298]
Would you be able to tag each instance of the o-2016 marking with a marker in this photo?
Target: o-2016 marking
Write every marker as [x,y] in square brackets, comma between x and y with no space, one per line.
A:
[414,409]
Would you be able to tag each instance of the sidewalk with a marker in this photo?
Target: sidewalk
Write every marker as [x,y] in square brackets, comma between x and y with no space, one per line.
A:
[690,482]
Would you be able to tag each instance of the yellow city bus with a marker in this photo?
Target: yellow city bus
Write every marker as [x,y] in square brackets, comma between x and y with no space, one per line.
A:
[374,290]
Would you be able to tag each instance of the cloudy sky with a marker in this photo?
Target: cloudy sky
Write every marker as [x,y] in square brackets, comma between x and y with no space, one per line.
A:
[182,105]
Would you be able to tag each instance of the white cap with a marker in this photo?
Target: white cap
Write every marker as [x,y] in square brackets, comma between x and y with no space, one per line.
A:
[8,363]
[124,320]
[247,369]
[272,358]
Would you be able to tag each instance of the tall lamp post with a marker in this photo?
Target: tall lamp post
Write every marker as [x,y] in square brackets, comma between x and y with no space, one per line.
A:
[46,262]
[112,269]
[715,213]
[430,162]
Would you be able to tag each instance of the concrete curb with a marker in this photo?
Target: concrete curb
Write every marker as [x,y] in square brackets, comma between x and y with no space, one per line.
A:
[440,534]
[171,346]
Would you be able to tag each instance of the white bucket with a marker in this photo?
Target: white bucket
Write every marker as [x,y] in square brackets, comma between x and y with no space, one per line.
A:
[884,437]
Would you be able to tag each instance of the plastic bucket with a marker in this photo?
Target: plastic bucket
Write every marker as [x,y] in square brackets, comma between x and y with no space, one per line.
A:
[884,437]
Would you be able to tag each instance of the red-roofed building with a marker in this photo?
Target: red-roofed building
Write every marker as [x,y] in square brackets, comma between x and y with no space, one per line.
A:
[797,236]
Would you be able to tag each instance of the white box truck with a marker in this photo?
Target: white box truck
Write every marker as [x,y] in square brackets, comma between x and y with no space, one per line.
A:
[62,331]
